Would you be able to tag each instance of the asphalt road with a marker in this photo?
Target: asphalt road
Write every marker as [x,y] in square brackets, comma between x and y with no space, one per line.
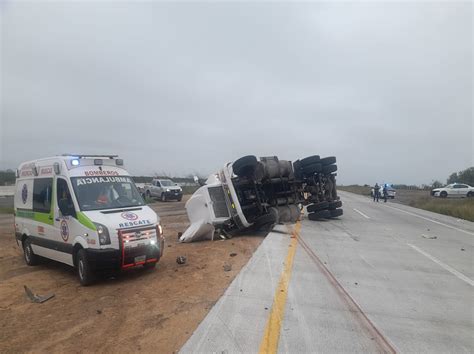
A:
[382,278]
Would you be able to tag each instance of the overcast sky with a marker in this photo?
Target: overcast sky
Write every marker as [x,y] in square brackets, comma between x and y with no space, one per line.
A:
[185,87]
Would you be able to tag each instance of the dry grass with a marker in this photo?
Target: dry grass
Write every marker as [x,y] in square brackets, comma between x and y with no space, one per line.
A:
[459,208]
[356,189]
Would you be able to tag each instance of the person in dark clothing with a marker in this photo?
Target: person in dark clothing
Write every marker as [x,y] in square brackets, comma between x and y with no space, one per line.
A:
[376,192]
[385,193]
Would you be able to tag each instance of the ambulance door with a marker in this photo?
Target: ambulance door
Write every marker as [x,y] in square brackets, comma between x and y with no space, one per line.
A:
[65,221]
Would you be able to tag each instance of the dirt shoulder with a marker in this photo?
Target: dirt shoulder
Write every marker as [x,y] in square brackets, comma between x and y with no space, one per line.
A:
[138,311]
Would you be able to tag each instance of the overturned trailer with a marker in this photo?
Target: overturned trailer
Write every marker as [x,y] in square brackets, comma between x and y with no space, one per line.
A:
[257,194]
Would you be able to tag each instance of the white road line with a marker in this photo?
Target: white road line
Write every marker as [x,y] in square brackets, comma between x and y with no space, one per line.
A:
[361,213]
[445,266]
[433,221]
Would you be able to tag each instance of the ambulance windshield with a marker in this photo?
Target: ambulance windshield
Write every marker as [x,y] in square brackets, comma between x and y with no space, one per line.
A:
[97,193]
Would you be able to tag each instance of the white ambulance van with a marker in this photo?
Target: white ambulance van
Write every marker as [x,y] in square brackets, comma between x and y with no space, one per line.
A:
[85,211]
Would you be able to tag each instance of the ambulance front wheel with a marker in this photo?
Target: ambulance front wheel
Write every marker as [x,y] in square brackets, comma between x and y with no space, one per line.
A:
[84,271]
[30,257]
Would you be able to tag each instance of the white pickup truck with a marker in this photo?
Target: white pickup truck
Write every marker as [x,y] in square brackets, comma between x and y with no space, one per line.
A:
[165,189]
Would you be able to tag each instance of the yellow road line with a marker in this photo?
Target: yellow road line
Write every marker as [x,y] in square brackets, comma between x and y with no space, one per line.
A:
[271,337]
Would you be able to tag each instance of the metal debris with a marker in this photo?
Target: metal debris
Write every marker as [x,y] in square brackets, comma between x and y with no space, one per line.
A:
[39,299]
[181,260]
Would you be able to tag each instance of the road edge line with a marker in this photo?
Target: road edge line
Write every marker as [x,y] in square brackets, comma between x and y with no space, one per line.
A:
[271,335]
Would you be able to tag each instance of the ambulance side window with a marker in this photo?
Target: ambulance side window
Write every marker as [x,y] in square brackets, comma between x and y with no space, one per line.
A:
[65,204]
[42,191]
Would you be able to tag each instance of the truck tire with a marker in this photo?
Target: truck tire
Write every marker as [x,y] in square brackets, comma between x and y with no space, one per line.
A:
[335,213]
[310,160]
[329,169]
[334,205]
[84,270]
[245,166]
[267,219]
[30,257]
[316,207]
[318,215]
[327,160]
[313,168]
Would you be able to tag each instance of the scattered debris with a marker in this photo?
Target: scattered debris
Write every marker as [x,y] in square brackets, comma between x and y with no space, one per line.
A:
[227,267]
[35,297]
[181,260]
[266,308]
[99,312]
[180,234]
[429,237]
[233,254]
[462,249]
[356,283]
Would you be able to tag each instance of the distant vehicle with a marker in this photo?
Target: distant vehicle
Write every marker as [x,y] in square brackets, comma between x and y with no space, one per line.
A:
[84,211]
[390,192]
[454,190]
[165,189]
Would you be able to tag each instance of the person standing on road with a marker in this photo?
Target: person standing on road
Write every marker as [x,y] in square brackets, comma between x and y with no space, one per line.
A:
[376,192]
[385,193]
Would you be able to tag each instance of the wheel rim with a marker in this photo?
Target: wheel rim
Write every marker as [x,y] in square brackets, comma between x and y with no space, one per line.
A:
[81,269]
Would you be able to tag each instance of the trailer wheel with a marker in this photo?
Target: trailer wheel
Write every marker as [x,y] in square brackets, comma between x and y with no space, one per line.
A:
[318,206]
[30,257]
[312,168]
[245,166]
[335,213]
[329,169]
[318,215]
[328,160]
[84,271]
[334,205]
[309,160]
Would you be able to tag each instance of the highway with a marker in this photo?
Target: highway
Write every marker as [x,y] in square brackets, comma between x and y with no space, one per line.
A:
[382,278]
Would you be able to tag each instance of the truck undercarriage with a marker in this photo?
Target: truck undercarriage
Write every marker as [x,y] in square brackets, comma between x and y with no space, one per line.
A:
[253,193]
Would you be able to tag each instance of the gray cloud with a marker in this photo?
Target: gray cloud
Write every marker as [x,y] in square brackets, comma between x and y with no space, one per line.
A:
[185,87]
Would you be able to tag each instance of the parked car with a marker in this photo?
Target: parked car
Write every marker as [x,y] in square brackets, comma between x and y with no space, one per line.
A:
[455,190]
[165,189]
[391,192]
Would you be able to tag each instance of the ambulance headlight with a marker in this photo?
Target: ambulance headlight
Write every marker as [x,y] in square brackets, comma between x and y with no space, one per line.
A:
[103,232]
[75,162]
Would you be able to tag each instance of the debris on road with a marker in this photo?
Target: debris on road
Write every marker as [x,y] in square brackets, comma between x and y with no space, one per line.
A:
[227,267]
[429,237]
[462,249]
[256,194]
[233,254]
[181,260]
[39,299]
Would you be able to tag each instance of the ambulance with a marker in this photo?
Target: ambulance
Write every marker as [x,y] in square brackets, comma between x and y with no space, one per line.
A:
[84,211]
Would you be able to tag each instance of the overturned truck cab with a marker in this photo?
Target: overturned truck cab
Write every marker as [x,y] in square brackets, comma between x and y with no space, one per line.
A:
[245,194]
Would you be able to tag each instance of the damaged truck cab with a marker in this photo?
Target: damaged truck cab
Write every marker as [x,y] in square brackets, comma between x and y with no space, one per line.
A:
[247,193]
